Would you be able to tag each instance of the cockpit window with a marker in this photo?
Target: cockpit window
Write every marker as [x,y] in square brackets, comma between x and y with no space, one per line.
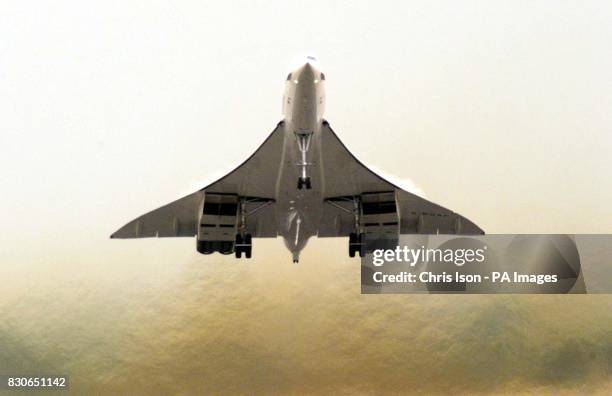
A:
[322,76]
[288,76]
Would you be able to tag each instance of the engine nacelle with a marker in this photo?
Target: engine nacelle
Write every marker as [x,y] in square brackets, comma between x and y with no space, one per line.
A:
[218,223]
[379,220]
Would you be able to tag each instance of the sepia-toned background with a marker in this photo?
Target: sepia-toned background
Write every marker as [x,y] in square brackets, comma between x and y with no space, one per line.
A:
[498,110]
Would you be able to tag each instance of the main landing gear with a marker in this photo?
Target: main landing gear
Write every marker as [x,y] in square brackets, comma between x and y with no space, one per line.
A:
[356,244]
[357,240]
[217,229]
[243,242]
[243,245]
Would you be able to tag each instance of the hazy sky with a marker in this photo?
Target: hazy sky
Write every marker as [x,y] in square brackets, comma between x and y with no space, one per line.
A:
[501,111]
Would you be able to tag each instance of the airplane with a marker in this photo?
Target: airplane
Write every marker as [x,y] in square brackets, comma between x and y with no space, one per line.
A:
[301,182]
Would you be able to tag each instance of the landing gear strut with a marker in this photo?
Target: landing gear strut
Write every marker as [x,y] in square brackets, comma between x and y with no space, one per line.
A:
[357,240]
[303,141]
[243,242]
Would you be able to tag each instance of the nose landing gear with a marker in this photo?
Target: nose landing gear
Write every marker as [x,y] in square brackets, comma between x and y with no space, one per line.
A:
[303,140]
[304,182]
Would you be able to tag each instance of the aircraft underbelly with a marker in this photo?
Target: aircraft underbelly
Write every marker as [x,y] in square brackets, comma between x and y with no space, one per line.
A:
[298,211]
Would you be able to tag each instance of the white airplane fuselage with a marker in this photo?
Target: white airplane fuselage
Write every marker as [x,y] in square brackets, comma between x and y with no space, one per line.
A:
[299,202]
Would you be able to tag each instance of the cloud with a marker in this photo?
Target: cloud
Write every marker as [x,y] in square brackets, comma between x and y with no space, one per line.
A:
[404,183]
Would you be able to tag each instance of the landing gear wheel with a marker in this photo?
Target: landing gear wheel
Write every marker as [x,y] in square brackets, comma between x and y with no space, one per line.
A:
[304,182]
[237,247]
[243,245]
[356,244]
[353,244]
[362,245]
[249,246]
